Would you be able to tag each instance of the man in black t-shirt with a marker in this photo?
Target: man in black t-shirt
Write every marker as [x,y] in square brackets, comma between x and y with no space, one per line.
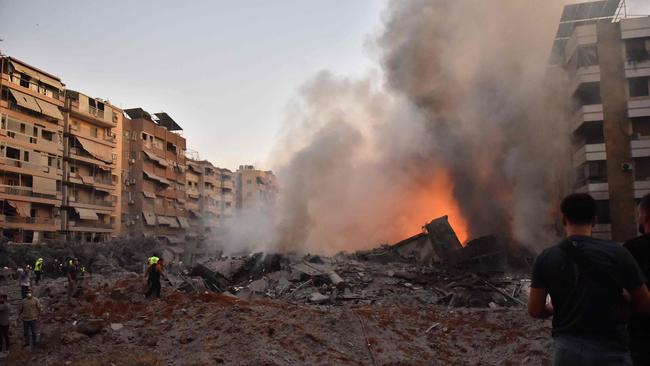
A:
[639,325]
[585,278]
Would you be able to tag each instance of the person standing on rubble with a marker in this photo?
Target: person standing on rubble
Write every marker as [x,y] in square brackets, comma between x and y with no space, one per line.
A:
[24,281]
[154,272]
[5,312]
[38,270]
[585,278]
[639,326]
[30,312]
[72,275]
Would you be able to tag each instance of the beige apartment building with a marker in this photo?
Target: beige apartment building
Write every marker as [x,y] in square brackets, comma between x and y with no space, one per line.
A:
[154,178]
[255,188]
[91,168]
[31,152]
[606,59]
[210,199]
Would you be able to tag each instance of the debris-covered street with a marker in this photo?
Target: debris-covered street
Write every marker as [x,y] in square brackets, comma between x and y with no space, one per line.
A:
[425,300]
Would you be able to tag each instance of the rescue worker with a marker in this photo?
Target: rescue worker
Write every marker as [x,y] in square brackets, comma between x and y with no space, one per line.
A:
[154,272]
[38,270]
[153,259]
[30,312]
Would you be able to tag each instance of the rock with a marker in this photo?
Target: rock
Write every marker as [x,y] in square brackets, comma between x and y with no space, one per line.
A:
[318,298]
[117,326]
[186,339]
[90,327]
[72,337]
[118,295]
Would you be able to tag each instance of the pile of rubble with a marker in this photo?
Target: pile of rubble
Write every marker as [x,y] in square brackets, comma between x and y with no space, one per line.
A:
[429,268]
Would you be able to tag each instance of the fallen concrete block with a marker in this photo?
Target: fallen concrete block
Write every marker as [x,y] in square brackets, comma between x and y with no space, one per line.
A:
[260,285]
[72,337]
[318,298]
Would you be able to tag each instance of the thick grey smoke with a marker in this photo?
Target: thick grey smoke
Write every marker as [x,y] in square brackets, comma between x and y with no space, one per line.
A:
[461,108]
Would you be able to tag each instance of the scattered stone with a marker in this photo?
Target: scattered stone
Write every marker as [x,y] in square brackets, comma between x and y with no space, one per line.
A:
[72,337]
[318,298]
[117,326]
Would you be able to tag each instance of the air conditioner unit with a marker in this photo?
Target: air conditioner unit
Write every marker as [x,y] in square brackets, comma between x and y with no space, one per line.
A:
[131,202]
[131,161]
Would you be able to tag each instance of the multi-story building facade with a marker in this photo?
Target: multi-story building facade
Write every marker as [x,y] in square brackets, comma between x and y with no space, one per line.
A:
[255,188]
[154,177]
[91,169]
[607,61]
[210,198]
[31,152]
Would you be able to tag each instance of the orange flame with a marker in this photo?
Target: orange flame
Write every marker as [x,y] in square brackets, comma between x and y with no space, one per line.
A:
[431,200]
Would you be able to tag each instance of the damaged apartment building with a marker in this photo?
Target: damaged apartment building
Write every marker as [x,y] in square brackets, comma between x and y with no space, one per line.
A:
[606,58]
[255,188]
[59,169]
[31,152]
[210,199]
[154,168]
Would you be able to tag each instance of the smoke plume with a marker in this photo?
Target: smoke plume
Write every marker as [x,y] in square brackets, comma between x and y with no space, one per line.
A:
[459,121]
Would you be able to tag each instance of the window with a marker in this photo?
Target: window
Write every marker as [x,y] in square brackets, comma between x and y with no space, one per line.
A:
[635,49]
[642,168]
[144,136]
[638,87]
[588,94]
[51,160]
[73,169]
[24,80]
[47,135]
[171,147]
[587,56]
[26,156]
[94,131]
[35,131]
[22,128]
[13,153]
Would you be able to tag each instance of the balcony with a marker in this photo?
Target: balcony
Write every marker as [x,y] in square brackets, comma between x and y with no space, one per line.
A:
[586,74]
[587,113]
[589,152]
[72,201]
[89,225]
[25,165]
[91,109]
[638,107]
[27,192]
[32,223]
[641,188]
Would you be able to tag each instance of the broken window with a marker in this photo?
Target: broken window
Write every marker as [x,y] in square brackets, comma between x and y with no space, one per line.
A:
[587,56]
[171,147]
[636,51]
[24,80]
[144,136]
[639,87]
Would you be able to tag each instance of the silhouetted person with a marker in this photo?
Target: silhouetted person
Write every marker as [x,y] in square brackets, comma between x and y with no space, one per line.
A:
[639,326]
[585,278]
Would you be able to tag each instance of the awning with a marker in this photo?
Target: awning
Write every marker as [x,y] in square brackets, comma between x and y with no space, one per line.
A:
[159,160]
[75,180]
[173,222]
[163,220]
[38,76]
[87,179]
[156,178]
[43,185]
[97,150]
[26,101]
[149,218]
[101,189]
[196,213]
[86,214]
[22,208]
[180,200]
[183,221]
[148,194]
[49,109]
[192,195]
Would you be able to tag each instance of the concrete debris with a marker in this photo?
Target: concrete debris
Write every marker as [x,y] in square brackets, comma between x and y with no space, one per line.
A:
[318,298]
[72,337]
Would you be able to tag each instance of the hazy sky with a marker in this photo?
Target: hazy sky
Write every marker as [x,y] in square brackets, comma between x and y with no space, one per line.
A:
[224,70]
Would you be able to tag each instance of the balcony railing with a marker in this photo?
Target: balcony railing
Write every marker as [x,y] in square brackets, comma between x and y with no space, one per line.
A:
[99,113]
[24,191]
[92,202]
[90,224]
[24,165]
[27,220]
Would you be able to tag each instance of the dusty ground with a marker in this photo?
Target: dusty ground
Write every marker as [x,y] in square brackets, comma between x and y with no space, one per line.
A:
[210,329]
